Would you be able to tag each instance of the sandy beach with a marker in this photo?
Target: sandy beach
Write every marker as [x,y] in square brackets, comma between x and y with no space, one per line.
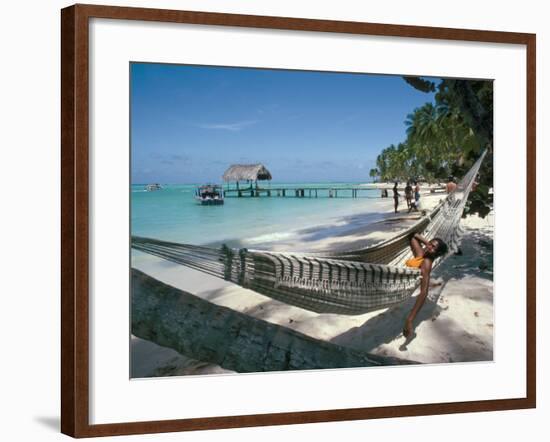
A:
[455,324]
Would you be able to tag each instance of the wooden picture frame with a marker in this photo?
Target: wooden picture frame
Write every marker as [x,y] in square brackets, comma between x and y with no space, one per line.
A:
[75,380]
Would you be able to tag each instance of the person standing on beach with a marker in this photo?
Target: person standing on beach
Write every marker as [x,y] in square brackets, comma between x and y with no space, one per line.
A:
[425,253]
[451,185]
[395,197]
[408,194]
[475,183]
[416,193]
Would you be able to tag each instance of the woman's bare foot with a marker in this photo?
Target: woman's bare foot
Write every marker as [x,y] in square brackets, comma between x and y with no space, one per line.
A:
[408,328]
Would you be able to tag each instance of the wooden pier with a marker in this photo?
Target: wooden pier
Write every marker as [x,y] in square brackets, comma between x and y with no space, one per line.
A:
[252,174]
[300,192]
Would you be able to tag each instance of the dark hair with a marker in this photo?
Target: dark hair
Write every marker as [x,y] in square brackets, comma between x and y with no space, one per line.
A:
[441,247]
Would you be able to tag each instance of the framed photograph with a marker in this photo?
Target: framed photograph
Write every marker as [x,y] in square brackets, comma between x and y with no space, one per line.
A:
[272,220]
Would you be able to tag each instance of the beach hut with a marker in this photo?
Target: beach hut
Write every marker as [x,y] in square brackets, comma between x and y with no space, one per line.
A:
[249,173]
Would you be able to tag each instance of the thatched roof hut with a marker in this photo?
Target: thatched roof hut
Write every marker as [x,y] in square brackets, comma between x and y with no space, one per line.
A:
[246,172]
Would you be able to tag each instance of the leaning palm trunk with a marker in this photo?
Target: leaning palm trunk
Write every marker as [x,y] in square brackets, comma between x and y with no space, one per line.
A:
[348,282]
[269,347]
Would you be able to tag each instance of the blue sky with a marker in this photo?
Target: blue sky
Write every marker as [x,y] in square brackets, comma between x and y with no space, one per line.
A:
[189,123]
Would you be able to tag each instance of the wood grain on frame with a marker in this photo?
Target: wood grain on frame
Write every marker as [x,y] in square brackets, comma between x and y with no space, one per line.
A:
[74,219]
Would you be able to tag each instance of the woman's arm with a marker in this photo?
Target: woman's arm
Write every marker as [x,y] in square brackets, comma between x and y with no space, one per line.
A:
[421,239]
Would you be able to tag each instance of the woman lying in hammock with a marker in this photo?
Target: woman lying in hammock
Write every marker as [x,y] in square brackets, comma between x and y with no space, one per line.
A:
[423,259]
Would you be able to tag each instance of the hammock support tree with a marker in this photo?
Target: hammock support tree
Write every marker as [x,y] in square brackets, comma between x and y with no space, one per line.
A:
[175,319]
[349,282]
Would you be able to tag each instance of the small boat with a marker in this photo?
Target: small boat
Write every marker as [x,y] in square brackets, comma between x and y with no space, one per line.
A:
[153,187]
[209,195]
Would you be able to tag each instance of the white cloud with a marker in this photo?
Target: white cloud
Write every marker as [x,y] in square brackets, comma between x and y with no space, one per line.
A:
[232,127]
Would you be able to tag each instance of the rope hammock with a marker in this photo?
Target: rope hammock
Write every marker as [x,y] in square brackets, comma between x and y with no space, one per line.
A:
[348,282]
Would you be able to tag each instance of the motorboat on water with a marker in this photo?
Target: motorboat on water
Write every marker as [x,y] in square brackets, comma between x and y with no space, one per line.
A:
[209,195]
[153,187]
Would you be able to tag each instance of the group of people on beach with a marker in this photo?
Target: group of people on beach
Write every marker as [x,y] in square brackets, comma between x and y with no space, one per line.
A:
[412,196]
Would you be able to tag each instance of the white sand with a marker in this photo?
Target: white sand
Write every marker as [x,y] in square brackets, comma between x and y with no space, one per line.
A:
[455,324]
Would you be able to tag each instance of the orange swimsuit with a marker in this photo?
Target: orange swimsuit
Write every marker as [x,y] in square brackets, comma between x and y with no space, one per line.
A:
[415,262]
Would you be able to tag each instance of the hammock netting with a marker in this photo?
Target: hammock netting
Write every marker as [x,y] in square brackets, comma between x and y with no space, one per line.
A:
[348,282]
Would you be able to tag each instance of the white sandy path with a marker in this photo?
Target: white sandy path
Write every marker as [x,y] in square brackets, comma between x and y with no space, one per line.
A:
[455,324]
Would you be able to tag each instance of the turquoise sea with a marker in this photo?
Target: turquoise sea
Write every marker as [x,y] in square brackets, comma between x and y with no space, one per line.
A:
[173,214]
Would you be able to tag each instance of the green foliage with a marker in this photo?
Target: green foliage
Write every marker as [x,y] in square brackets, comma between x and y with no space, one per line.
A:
[480,202]
[420,84]
[446,138]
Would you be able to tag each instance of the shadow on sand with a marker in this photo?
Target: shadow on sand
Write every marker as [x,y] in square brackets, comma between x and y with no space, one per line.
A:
[353,229]
[388,325]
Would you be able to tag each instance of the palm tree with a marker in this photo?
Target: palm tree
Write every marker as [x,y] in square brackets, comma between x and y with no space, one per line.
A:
[444,136]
